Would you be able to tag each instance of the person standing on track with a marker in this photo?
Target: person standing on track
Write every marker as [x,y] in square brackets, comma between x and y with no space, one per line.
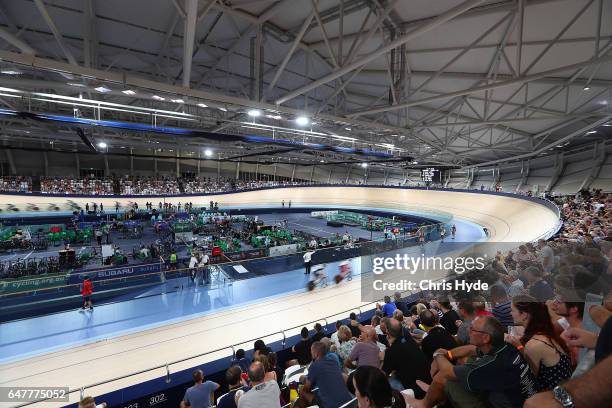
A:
[204,259]
[87,291]
[453,231]
[308,261]
[193,262]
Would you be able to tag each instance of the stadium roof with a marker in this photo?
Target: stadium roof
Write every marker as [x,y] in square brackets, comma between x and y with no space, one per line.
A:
[452,82]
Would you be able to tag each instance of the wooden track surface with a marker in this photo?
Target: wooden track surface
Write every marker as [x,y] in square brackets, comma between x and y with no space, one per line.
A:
[509,220]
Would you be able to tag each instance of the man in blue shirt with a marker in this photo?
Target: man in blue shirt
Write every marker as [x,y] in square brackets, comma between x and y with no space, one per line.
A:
[198,396]
[325,374]
[389,307]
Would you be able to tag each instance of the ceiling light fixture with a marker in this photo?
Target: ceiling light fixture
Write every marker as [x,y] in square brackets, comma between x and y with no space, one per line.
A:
[202,105]
[11,72]
[276,117]
[102,89]
[102,145]
[590,132]
[364,165]
[208,152]
[129,92]
[158,98]
[302,121]
[76,84]
[223,109]
[254,113]
[586,88]
[177,100]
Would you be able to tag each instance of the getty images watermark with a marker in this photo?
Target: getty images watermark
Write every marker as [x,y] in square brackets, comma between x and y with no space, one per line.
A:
[449,268]
[404,263]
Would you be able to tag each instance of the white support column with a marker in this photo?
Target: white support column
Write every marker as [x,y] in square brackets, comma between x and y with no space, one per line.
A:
[106,166]
[237,176]
[257,171]
[599,158]
[188,39]
[312,173]
[219,166]
[9,157]
[178,163]
[331,171]
[131,161]
[471,177]
[525,167]
[77,162]
[348,173]
[155,162]
[275,169]
[559,166]
[199,163]
[292,172]
[46,164]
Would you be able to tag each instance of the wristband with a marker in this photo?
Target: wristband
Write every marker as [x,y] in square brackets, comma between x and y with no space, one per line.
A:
[520,347]
[449,354]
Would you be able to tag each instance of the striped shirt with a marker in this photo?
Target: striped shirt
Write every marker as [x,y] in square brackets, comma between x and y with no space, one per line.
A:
[503,313]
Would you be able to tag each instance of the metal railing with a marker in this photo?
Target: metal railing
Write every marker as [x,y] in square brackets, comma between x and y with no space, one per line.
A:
[231,348]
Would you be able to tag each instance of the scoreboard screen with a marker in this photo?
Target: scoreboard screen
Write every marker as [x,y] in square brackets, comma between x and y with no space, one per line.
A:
[431,175]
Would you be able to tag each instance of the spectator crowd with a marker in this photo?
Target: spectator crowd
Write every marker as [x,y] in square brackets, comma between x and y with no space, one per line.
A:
[87,185]
[17,184]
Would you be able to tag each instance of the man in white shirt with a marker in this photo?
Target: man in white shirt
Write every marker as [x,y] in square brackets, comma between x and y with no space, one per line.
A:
[203,266]
[307,261]
[193,261]
[262,394]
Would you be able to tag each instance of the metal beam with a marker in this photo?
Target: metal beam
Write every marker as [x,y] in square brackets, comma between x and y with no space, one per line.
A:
[559,35]
[188,39]
[16,42]
[570,136]
[271,11]
[508,120]
[473,76]
[90,40]
[289,54]
[56,33]
[462,53]
[324,33]
[519,35]
[205,10]
[441,19]
[229,52]
[499,84]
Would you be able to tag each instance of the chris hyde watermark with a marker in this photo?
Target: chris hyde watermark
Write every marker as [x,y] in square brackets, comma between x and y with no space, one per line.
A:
[427,284]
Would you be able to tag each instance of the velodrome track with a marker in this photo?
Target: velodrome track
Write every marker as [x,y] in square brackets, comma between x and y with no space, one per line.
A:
[508,218]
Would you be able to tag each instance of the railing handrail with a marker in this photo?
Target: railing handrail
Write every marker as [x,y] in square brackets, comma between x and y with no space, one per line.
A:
[232,346]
